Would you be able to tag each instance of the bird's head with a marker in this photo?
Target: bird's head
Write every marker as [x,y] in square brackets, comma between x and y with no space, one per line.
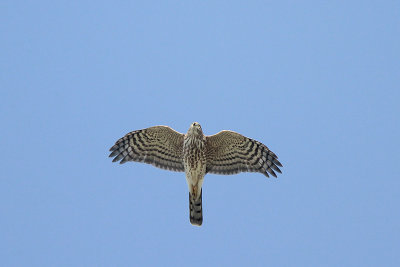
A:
[195,129]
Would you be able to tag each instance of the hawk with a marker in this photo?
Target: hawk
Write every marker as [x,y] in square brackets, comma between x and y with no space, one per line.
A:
[196,154]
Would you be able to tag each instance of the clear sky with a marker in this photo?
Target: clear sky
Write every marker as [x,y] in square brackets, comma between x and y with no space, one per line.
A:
[316,81]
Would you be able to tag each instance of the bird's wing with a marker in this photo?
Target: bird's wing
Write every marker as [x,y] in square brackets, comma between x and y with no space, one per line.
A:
[160,146]
[229,152]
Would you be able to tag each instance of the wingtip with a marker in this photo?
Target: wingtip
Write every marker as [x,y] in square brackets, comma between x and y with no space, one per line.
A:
[114,147]
[124,160]
[271,171]
[114,153]
[277,162]
[276,168]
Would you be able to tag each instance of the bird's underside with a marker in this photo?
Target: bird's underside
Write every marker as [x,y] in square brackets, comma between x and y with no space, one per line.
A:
[226,153]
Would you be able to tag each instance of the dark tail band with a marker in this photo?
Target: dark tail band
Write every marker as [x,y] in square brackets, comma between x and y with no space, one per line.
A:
[196,210]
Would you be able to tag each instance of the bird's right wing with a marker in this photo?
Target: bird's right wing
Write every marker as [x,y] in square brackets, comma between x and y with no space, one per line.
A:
[160,146]
[229,152]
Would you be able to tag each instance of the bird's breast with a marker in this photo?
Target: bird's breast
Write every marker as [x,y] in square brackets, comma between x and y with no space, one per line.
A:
[194,156]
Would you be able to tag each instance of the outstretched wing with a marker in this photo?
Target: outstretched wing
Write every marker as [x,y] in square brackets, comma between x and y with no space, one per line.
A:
[160,146]
[230,153]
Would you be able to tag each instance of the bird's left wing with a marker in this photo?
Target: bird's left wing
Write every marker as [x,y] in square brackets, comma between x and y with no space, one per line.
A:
[160,146]
[229,152]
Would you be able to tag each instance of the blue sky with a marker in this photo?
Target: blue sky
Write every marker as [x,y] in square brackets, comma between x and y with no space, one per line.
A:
[316,81]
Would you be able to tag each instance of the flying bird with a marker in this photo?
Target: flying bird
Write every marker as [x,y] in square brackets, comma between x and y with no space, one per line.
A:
[196,154]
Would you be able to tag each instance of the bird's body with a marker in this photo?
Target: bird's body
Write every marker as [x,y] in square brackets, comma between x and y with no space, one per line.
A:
[194,162]
[195,154]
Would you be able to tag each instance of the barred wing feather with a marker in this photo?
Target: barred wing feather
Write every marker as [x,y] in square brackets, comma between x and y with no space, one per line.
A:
[229,152]
[160,146]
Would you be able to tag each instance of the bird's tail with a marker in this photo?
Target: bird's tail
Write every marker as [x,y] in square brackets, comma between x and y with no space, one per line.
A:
[196,210]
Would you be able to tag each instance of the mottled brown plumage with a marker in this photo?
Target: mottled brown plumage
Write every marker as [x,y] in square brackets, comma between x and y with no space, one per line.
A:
[194,153]
[194,162]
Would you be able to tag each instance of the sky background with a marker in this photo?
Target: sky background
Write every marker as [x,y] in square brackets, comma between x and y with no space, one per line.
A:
[317,81]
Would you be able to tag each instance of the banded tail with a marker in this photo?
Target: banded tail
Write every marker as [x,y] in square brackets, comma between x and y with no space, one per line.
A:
[196,210]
